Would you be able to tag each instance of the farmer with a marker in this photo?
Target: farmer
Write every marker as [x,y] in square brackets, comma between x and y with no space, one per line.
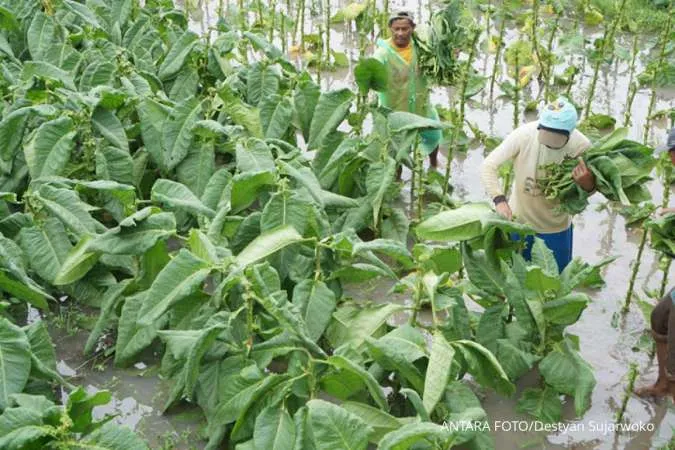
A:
[530,146]
[663,325]
[407,89]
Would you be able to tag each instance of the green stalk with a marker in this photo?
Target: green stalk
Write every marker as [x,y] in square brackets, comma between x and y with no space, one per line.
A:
[302,26]
[535,40]
[283,33]
[273,20]
[458,126]
[385,18]
[327,8]
[418,298]
[498,55]
[662,55]
[632,87]
[487,34]
[549,49]
[419,167]
[633,276]
[320,56]
[607,41]
[632,375]
[242,15]
[261,19]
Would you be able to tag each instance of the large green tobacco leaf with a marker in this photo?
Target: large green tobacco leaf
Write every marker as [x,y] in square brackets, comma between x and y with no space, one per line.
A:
[66,205]
[461,224]
[247,186]
[175,57]
[177,132]
[78,262]
[369,74]
[316,303]
[305,98]
[438,371]
[131,337]
[178,196]
[276,114]
[97,73]
[13,125]
[241,113]
[184,274]
[565,310]
[513,360]
[135,235]
[112,437]
[286,208]
[483,365]
[274,429]
[107,123]
[334,428]
[405,437]
[378,180]
[544,404]
[393,359]
[46,248]
[262,82]
[13,276]
[393,249]
[565,371]
[48,152]
[267,244]
[43,355]
[543,257]
[42,33]
[330,111]
[253,155]
[366,377]
[153,115]
[15,360]
[113,163]
[381,422]
[481,273]
[197,168]
[44,70]
[404,121]
[352,324]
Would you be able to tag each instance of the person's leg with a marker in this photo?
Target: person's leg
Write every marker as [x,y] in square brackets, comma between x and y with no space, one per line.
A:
[433,158]
[660,319]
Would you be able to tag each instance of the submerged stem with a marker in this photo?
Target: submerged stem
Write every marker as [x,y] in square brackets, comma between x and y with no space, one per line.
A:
[636,268]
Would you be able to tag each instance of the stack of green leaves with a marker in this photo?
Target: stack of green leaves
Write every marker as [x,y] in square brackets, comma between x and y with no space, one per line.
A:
[448,33]
[620,166]
[662,231]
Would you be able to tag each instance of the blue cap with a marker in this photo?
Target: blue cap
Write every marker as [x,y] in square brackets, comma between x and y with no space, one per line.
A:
[559,115]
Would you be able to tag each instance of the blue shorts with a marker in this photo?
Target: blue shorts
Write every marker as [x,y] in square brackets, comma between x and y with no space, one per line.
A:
[559,243]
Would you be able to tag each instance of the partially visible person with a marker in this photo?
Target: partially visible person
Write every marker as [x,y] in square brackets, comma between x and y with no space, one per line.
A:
[663,324]
[549,140]
[407,88]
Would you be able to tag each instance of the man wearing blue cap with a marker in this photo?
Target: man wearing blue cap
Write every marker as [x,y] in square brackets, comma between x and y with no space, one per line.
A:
[535,144]
[663,323]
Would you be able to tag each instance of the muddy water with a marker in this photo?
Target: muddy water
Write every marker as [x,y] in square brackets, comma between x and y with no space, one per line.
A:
[139,392]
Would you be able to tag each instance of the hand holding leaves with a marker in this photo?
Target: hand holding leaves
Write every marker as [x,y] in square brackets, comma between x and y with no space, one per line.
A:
[583,176]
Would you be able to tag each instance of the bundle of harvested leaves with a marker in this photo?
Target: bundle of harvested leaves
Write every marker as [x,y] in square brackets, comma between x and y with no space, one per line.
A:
[662,230]
[621,168]
[437,49]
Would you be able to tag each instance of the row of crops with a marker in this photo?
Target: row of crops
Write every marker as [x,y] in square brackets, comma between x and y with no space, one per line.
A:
[211,203]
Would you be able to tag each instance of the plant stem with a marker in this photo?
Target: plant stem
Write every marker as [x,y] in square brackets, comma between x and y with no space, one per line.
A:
[549,49]
[607,43]
[632,375]
[516,93]
[632,87]
[419,167]
[273,14]
[418,298]
[636,268]
[327,11]
[662,54]
[302,26]
[498,54]
[261,19]
[535,40]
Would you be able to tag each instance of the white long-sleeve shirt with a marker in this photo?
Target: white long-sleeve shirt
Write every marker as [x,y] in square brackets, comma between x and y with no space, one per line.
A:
[527,201]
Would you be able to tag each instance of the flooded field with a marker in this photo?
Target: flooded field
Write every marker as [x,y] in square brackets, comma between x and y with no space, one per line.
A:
[608,342]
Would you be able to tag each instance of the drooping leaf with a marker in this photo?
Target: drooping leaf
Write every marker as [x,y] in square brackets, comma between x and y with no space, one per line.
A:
[110,126]
[438,371]
[366,377]
[15,360]
[331,110]
[266,244]
[178,196]
[177,131]
[316,303]
[334,428]
[276,113]
[544,404]
[177,54]
[48,153]
[412,433]
[274,429]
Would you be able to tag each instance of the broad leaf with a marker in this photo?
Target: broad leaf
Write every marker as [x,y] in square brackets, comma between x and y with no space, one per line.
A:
[175,57]
[267,244]
[48,152]
[438,371]
[330,111]
[336,429]
[178,196]
[544,404]
[274,429]
[15,360]
[177,132]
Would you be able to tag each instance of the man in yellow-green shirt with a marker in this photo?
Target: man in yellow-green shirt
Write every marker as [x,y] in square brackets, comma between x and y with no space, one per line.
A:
[407,89]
